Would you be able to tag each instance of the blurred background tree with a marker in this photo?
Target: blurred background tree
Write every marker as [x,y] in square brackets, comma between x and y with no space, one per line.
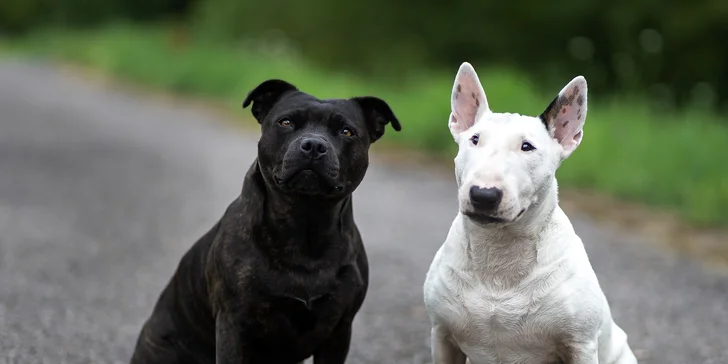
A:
[673,51]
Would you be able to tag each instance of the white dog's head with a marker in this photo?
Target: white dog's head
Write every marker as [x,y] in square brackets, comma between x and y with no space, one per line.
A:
[506,163]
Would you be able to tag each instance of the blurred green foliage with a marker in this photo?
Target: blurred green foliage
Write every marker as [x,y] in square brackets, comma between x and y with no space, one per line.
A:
[657,71]
[630,150]
[672,52]
[18,16]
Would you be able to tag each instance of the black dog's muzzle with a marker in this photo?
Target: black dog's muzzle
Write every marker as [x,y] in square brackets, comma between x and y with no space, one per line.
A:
[310,165]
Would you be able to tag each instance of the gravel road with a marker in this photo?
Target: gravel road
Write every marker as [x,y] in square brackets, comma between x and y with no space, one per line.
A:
[103,190]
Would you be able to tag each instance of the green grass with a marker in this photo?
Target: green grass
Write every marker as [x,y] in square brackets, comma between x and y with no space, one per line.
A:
[676,161]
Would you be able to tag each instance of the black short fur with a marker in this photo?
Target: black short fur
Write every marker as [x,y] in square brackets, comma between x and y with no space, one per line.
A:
[282,274]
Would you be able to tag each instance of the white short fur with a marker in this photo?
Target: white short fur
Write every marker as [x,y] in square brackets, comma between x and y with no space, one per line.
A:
[518,289]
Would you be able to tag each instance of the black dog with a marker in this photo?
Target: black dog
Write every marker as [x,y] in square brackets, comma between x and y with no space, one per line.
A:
[282,274]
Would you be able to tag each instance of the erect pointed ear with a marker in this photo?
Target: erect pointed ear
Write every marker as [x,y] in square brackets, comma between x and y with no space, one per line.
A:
[377,114]
[467,102]
[565,116]
[265,96]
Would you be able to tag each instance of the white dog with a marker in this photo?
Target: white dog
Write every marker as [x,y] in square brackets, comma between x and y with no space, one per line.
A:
[512,283]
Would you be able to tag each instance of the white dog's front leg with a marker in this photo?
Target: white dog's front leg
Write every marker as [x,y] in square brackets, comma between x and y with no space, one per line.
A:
[444,351]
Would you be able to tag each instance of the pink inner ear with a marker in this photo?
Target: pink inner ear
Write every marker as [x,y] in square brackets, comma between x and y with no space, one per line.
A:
[568,116]
[567,124]
[467,100]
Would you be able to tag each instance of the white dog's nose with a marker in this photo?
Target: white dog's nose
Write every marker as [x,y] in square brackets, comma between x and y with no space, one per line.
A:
[485,198]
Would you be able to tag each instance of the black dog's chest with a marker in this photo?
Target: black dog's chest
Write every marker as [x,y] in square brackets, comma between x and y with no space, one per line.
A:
[296,300]
[314,290]
[305,310]
[307,301]
[304,316]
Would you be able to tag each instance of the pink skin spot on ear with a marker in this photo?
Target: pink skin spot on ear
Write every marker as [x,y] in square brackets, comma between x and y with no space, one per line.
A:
[453,119]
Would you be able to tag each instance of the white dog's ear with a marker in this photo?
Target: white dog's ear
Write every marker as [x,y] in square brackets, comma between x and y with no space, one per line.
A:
[467,102]
[565,116]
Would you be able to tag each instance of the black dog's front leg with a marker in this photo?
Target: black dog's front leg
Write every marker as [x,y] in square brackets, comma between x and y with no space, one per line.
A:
[230,346]
[337,348]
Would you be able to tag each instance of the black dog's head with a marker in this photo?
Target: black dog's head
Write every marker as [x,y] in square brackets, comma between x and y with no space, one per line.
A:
[315,147]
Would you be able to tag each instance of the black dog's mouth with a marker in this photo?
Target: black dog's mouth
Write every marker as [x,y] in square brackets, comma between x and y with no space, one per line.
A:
[307,181]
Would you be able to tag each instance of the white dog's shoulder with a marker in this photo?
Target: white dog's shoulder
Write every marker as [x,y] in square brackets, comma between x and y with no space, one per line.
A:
[444,279]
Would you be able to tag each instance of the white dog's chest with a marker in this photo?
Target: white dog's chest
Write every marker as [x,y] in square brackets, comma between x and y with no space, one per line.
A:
[502,327]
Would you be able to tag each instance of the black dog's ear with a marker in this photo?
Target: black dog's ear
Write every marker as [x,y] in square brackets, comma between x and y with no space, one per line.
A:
[265,96]
[377,115]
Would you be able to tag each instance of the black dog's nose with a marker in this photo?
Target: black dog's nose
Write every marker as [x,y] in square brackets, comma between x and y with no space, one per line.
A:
[313,147]
[485,198]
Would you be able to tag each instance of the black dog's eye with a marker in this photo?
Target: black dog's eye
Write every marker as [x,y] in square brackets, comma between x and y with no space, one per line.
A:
[474,139]
[527,147]
[285,122]
[347,132]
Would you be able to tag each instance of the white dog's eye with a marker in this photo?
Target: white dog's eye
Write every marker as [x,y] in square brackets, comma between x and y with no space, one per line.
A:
[474,139]
[527,147]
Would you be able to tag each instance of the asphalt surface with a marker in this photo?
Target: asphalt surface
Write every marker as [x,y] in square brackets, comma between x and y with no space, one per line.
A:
[102,191]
